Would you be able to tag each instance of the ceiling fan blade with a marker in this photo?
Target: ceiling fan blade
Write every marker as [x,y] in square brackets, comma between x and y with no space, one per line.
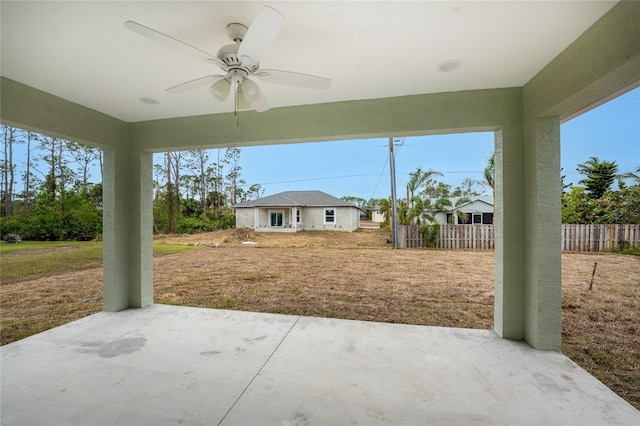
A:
[194,84]
[260,35]
[260,104]
[294,79]
[242,104]
[174,43]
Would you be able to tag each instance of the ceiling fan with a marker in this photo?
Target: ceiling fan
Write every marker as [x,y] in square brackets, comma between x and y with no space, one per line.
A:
[238,61]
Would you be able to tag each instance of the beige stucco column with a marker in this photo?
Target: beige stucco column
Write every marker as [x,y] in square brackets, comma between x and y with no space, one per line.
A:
[509,221]
[543,280]
[127,229]
[528,290]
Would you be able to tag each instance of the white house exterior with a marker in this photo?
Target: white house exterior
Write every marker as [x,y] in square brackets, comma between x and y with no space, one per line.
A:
[377,216]
[294,211]
[478,211]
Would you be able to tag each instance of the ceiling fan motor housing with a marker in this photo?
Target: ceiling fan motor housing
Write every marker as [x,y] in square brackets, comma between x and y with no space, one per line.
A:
[236,31]
[237,75]
[228,54]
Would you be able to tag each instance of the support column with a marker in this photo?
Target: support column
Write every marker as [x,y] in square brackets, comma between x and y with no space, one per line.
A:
[256,218]
[127,229]
[509,221]
[294,217]
[543,262]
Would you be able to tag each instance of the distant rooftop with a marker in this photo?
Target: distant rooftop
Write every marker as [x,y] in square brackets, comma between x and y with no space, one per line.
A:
[298,199]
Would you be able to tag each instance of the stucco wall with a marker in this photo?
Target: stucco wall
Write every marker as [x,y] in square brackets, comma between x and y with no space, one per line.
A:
[245,217]
[376,216]
[312,219]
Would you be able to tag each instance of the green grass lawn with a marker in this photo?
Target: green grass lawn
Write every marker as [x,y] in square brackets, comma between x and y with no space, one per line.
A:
[40,257]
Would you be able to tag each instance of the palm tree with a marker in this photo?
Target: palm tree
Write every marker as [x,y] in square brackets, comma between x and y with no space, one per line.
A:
[386,209]
[403,213]
[418,179]
[419,210]
[457,212]
[490,175]
[635,176]
[425,210]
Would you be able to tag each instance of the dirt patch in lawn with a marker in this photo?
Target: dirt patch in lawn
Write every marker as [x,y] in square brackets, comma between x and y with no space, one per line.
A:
[365,284]
[242,236]
[358,276]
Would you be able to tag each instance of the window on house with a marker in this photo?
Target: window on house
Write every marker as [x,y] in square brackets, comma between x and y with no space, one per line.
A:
[487,218]
[276,219]
[466,219]
[298,216]
[477,219]
[329,216]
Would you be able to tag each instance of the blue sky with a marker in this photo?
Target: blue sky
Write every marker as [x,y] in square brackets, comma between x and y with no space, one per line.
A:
[610,132]
[360,168]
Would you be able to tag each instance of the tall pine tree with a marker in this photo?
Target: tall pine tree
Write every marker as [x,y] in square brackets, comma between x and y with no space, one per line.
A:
[599,176]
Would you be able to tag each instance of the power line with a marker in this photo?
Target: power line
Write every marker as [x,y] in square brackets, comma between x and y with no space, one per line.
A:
[380,176]
[399,145]
[310,179]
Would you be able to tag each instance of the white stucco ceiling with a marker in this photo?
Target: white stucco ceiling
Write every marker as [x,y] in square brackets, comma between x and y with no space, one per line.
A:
[81,52]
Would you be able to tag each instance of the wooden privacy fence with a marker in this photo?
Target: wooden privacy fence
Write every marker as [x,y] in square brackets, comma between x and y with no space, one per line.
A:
[476,237]
[599,237]
[482,237]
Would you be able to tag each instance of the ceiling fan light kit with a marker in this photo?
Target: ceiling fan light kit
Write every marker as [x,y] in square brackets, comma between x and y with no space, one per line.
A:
[238,61]
[251,90]
[220,89]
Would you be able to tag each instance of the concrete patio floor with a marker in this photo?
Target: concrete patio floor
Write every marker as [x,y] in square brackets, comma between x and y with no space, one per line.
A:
[165,365]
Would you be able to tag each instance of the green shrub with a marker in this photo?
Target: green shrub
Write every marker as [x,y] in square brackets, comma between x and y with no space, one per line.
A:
[11,225]
[190,225]
[632,250]
[430,234]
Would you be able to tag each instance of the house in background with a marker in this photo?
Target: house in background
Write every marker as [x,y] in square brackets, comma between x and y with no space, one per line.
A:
[376,215]
[293,211]
[478,211]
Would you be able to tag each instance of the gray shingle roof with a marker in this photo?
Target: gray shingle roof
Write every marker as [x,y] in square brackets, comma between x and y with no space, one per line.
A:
[296,198]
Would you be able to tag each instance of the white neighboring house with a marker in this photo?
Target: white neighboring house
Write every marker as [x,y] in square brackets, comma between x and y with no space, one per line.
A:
[377,216]
[478,211]
[294,211]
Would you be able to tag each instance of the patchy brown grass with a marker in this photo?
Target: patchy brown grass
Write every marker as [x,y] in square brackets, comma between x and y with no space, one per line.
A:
[601,326]
[357,276]
[36,304]
[374,284]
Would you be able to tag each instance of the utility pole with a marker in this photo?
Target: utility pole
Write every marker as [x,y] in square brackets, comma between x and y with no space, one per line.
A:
[392,169]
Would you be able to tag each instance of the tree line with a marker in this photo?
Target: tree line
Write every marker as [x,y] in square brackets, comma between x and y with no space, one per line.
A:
[604,196]
[58,198]
[51,188]
[195,190]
